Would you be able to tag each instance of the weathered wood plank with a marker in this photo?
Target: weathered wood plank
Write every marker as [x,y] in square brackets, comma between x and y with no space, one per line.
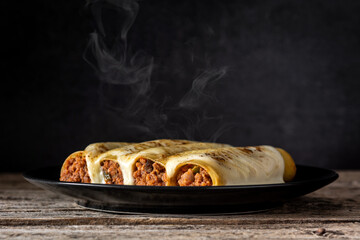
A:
[283,231]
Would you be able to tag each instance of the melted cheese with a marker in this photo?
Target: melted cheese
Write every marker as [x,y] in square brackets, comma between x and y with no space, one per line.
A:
[94,150]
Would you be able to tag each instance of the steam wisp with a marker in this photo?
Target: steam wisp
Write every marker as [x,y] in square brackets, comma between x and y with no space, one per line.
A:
[126,88]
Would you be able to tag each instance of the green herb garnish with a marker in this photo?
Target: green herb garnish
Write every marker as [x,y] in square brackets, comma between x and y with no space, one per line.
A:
[196,169]
[106,175]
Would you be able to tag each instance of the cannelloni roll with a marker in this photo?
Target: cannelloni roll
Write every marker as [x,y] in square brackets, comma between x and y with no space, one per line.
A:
[230,166]
[75,167]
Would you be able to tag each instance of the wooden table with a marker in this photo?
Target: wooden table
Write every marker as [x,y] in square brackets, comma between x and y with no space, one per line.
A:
[30,212]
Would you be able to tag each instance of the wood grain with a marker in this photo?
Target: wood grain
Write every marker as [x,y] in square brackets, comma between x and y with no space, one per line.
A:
[30,212]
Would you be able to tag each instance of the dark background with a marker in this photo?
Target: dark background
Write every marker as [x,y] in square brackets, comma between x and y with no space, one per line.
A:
[292,79]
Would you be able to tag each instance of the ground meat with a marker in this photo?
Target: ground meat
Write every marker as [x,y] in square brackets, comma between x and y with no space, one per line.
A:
[149,173]
[190,175]
[75,170]
[112,172]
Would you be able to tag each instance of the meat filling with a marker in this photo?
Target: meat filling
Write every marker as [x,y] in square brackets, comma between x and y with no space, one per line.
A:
[75,170]
[149,173]
[112,172]
[191,175]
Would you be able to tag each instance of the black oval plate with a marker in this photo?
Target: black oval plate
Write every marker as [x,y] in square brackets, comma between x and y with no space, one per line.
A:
[183,200]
